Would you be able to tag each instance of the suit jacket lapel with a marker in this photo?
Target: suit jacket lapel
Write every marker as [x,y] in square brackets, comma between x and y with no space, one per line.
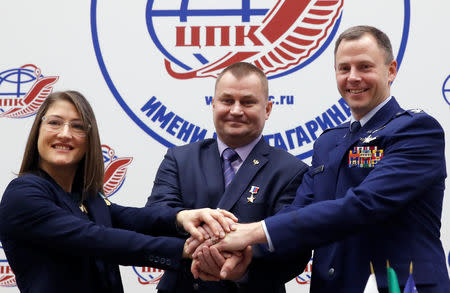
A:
[65,198]
[250,167]
[212,173]
[99,211]
[342,136]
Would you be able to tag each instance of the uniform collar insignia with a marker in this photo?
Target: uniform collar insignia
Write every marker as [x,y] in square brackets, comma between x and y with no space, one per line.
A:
[376,130]
[368,139]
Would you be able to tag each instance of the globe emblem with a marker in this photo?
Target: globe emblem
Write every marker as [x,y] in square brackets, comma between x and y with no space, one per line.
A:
[279,37]
[23,90]
[15,83]
[108,156]
[148,275]
[446,91]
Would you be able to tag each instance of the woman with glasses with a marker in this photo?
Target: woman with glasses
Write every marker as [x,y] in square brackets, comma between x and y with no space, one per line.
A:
[58,231]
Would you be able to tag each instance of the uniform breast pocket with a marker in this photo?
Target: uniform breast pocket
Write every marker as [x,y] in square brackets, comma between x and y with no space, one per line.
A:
[365,156]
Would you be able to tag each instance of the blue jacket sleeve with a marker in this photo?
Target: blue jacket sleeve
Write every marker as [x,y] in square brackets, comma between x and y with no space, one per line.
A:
[148,220]
[29,211]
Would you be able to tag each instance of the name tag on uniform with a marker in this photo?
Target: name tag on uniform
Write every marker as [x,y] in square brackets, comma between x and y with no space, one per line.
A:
[364,157]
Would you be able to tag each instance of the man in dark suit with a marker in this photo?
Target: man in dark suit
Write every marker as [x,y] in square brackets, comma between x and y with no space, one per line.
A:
[255,182]
[375,188]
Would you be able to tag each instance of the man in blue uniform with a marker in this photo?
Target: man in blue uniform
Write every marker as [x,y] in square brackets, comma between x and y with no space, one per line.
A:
[375,188]
[238,172]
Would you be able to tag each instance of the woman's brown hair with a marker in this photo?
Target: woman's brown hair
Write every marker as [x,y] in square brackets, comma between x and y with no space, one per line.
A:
[91,167]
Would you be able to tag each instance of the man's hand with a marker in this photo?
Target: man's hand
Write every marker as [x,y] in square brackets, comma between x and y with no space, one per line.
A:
[211,265]
[204,266]
[234,267]
[192,243]
[243,236]
[216,220]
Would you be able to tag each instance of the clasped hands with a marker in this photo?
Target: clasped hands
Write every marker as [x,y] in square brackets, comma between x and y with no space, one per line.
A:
[217,244]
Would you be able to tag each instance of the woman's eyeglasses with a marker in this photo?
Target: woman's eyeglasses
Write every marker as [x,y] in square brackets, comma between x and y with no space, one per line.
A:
[56,124]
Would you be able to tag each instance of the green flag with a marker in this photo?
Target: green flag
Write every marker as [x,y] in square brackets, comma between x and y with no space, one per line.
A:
[392,281]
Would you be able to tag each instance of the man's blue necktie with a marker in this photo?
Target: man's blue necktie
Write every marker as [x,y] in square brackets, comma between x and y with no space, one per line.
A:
[355,126]
[229,156]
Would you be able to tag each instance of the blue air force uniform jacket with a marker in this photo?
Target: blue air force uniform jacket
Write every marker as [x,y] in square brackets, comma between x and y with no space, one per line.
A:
[352,214]
[191,177]
[52,246]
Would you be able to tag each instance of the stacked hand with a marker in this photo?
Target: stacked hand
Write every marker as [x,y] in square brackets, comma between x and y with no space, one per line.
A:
[216,222]
[218,245]
[210,264]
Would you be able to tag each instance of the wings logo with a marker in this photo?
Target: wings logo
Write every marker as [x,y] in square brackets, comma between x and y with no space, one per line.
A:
[148,275]
[305,277]
[162,65]
[115,170]
[7,277]
[288,35]
[23,90]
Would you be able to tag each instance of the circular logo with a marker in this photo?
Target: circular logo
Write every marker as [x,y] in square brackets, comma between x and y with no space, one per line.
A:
[23,90]
[14,84]
[7,277]
[446,90]
[148,275]
[161,67]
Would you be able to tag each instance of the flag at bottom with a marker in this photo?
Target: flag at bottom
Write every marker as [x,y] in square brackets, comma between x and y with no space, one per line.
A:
[392,280]
[371,285]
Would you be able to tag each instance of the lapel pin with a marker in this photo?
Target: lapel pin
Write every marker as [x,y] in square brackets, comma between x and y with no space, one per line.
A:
[83,208]
[253,191]
[255,162]
[108,203]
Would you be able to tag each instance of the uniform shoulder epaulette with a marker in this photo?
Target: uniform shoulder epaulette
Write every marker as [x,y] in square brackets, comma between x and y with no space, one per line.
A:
[416,111]
[410,112]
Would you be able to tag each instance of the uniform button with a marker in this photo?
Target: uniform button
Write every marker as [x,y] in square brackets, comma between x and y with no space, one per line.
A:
[150,258]
[156,259]
[163,260]
[195,286]
[168,262]
[331,272]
